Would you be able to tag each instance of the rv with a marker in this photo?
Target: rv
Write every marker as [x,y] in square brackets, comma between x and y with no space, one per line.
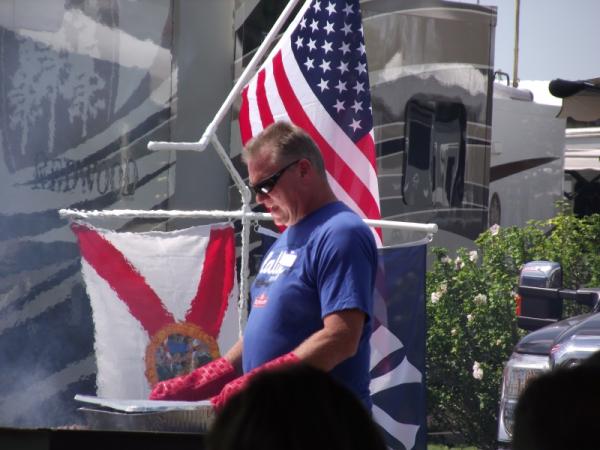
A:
[86,85]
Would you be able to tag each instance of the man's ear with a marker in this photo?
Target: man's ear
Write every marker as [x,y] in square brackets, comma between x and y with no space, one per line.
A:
[305,166]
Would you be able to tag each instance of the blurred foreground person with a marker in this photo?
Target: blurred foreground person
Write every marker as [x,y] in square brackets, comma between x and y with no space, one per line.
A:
[294,408]
[312,298]
[560,409]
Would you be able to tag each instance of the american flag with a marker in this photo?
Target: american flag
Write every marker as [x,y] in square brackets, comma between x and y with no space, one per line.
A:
[317,78]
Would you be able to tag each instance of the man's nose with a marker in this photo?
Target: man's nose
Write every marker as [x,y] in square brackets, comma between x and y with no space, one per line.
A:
[261,197]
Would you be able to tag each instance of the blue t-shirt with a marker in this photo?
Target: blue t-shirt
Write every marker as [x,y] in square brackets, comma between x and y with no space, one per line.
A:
[323,264]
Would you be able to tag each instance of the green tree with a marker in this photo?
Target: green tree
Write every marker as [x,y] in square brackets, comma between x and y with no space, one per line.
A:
[471,315]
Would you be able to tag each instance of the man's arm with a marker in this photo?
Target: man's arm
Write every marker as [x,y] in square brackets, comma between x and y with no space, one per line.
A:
[325,349]
[337,341]
[234,355]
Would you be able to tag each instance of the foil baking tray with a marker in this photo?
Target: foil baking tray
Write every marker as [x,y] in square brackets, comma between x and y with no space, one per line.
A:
[146,415]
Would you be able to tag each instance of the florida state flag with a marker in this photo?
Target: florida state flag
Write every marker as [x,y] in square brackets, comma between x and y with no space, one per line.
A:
[159,301]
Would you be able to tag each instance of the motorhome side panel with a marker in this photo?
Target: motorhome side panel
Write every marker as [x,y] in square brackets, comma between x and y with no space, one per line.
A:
[527,159]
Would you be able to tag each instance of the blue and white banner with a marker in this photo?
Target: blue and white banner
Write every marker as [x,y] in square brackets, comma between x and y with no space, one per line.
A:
[398,347]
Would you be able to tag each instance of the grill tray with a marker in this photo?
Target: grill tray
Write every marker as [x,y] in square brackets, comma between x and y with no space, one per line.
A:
[145,415]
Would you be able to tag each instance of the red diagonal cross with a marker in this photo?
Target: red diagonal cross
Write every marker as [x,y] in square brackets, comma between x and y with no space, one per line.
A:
[208,306]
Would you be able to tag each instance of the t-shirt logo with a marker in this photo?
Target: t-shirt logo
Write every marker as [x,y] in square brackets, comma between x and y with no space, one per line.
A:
[261,300]
[276,265]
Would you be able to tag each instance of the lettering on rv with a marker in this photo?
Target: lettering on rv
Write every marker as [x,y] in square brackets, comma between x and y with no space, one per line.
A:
[66,175]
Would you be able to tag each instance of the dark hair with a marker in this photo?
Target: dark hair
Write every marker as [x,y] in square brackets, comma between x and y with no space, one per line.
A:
[295,408]
[289,143]
[559,409]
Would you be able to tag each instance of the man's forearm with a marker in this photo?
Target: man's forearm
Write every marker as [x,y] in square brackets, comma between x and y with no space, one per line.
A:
[337,341]
[234,355]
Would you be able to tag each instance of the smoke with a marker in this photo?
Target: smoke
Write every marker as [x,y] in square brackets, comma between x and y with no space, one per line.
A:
[45,399]
[46,352]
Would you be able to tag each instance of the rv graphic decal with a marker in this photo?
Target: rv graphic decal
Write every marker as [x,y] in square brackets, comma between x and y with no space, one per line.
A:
[84,87]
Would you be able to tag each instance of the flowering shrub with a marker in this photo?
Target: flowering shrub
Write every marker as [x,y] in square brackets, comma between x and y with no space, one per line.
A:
[471,315]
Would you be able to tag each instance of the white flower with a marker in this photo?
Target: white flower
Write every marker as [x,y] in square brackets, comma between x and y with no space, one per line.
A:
[480,299]
[498,341]
[446,260]
[453,331]
[458,263]
[473,256]
[477,371]
[443,288]
[494,229]
[469,317]
[435,296]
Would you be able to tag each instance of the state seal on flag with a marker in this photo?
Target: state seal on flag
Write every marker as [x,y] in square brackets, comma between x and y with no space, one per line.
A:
[177,349]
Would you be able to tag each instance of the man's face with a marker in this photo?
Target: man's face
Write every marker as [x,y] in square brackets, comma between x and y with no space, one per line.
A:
[282,200]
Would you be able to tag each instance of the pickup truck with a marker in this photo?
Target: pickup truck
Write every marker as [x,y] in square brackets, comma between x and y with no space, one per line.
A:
[552,341]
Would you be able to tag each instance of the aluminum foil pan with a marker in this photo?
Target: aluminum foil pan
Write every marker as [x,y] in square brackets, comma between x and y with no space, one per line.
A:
[182,421]
[135,415]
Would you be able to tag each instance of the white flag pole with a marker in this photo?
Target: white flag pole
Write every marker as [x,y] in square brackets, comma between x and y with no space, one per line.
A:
[235,91]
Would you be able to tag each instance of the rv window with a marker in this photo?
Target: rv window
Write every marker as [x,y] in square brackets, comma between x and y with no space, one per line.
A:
[435,154]
[448,154]
[417,172]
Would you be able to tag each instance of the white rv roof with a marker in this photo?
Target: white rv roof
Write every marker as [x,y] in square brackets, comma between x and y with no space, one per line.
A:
[541,94]
[536,90]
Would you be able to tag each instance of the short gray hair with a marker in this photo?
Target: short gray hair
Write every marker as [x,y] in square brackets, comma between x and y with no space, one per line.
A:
[289,143]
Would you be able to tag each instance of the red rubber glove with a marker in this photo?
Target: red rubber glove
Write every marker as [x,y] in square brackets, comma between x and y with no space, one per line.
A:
[200,384]
[238,385]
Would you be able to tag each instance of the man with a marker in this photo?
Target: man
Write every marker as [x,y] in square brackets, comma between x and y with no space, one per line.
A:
[312,298]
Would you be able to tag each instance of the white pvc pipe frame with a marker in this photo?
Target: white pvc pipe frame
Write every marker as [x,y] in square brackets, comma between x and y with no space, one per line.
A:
[246,215]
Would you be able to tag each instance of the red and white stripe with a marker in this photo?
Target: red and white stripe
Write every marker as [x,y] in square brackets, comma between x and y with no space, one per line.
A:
[279,91]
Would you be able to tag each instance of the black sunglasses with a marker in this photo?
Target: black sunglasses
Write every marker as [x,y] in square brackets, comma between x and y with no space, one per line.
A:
[265,186]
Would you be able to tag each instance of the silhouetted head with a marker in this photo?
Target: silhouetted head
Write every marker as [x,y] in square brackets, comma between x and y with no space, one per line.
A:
[560,410]
[295,408]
